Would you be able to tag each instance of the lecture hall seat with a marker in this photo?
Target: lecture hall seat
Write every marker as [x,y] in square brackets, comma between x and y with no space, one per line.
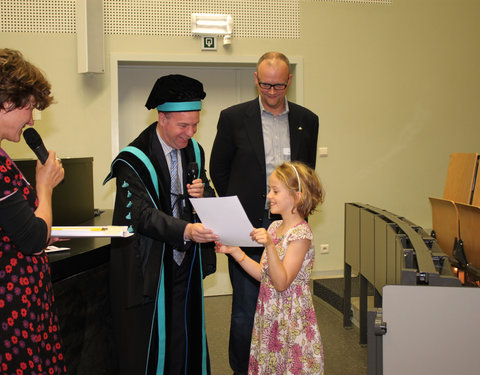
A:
[445,227]
[469,219]
[460,177]
[476,190]
[459,186]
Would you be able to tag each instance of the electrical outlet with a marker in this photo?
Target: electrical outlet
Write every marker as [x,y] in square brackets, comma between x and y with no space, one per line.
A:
[324,248]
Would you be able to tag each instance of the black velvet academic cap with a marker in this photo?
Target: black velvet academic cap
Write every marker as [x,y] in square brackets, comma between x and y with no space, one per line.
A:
[175,88]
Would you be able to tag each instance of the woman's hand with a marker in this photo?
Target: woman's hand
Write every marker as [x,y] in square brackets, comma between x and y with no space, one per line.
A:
[47,176]
[50,174]
[57,239]
[195,189]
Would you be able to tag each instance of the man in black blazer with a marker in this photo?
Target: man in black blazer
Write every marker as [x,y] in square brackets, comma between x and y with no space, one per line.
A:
[252,138]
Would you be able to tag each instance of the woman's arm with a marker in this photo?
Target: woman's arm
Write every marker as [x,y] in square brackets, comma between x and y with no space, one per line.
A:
[26,231]
[47,176]
[29,231]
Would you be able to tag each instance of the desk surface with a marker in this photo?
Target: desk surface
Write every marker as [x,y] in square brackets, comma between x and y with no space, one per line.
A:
[84,254]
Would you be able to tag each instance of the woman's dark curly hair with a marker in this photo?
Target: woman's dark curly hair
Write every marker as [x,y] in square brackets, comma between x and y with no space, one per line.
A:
[21,81]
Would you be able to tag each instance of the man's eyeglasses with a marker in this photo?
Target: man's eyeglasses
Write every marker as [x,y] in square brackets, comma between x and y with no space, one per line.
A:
[276,86]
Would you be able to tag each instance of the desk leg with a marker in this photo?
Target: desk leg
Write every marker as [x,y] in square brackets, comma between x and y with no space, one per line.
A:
[363,309]
[347,296]
[378,299]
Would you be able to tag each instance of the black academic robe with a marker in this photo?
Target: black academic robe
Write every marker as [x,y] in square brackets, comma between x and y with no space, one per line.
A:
[148,306]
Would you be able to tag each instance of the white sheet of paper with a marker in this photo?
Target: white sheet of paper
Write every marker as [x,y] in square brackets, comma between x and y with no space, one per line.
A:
[53,249]
[227,218]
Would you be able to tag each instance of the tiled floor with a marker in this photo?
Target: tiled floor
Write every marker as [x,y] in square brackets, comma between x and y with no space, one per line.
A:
[343,354]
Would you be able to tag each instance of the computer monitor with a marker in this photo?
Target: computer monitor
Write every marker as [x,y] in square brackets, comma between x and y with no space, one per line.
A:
[72,200]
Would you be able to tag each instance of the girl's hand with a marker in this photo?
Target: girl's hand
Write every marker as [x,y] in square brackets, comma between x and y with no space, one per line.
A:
[225,249]
[195,189]
[261,236]
[249,265]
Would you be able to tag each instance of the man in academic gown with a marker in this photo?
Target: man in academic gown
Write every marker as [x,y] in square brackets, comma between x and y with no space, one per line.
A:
[156,274]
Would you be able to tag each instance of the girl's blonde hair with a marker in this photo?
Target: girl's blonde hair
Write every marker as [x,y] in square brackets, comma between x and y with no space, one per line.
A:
[307,183]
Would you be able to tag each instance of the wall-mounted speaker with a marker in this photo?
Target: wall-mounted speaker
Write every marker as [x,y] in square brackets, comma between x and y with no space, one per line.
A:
[89,25]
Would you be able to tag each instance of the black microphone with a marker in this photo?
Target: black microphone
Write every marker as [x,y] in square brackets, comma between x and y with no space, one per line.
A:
[192,172]
[34,141]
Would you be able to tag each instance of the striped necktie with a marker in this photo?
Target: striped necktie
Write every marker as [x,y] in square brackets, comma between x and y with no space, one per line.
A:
[175,192]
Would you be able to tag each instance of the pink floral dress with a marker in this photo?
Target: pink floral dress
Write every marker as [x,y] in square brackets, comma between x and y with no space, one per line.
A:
[285,337]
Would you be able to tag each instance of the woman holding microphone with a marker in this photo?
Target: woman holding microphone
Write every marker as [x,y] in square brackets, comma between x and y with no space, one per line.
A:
[29,329]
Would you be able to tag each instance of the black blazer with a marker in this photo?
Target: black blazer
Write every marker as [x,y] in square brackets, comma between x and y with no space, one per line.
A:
[237,162]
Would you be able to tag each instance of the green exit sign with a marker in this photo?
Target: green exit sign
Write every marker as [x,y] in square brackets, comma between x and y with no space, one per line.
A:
[209,43]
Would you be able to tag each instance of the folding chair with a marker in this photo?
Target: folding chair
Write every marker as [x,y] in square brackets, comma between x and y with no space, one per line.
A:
[469,218]
[460,177]
[446,230]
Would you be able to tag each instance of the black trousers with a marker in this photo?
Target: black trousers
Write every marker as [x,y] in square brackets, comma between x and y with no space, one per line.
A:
[176,345]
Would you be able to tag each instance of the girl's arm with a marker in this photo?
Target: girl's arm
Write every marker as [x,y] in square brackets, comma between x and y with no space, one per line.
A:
[248,264]
[282,272]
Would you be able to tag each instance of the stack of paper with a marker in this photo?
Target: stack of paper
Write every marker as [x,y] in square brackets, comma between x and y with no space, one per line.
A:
[105,231]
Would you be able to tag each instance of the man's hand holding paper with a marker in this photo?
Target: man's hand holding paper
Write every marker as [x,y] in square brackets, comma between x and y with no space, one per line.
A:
[199,233]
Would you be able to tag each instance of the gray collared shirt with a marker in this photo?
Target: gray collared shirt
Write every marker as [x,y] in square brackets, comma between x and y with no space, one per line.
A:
[276,138]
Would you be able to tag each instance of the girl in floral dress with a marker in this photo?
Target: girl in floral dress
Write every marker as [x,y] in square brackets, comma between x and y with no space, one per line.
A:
[29,330]
[285,337]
